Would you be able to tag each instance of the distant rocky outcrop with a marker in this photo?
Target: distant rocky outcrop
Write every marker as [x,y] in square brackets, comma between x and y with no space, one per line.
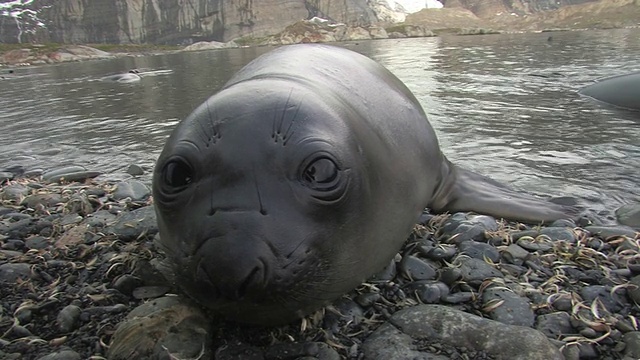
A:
[407,30]
[446,18]
[319,30]
[28,56]
[210,45]
[386,14]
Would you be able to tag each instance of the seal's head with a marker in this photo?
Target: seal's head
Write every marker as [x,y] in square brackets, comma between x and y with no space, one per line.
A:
[265,196]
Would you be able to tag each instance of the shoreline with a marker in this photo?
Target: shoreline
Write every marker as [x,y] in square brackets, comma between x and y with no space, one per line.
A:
[19,55]
[77,257]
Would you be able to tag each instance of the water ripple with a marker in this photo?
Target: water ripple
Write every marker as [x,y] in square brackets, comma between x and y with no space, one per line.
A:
[503,105]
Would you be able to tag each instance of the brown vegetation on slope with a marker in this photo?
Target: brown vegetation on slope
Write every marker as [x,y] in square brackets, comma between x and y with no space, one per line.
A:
[602,14]
[438,20]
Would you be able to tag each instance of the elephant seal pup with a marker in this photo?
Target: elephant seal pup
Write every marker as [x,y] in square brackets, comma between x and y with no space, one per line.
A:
[303,177]
[128,77]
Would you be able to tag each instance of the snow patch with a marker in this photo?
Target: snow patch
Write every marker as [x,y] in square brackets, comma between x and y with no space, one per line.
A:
[411,6]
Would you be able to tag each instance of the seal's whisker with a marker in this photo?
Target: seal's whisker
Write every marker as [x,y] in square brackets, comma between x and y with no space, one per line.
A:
[263,211]
[290,129]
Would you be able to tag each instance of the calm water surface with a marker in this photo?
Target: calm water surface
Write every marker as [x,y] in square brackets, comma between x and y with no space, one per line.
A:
[503,105]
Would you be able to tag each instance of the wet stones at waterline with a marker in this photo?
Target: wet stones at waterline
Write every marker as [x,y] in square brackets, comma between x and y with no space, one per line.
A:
[69,286]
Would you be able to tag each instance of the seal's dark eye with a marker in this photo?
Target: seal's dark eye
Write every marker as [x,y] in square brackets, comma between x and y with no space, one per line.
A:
[177,174]
[324,178]
[320,174]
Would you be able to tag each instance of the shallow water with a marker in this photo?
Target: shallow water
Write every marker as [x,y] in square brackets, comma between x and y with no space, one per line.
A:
[503,105]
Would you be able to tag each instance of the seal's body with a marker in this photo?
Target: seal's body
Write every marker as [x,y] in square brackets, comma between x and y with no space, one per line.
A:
[622,91]
[128,77]
[301,178]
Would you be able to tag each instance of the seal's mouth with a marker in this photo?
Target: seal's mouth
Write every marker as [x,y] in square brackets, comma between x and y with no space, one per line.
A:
[238,280]
[231,268]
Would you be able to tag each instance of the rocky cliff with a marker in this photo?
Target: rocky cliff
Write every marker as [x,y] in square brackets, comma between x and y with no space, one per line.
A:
[181,22]
[185,21]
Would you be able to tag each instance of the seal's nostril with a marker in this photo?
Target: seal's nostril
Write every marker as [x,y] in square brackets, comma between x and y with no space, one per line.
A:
[203,277]
[251,280]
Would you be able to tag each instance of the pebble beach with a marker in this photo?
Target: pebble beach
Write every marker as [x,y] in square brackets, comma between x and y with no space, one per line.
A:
[82,278]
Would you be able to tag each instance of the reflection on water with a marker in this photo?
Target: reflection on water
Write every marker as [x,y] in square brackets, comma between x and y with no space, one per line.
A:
[503,105]
[508,106]
[107,125]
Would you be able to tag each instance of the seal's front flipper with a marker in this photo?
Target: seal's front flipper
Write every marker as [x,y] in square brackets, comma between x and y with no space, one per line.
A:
[464,190]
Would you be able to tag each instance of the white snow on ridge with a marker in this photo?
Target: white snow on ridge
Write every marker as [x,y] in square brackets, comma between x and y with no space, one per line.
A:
[10,4]
[411,6]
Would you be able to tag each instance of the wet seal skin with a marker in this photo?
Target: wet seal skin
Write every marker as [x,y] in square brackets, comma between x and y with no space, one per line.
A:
[301,178]
[622,91]
[128,77]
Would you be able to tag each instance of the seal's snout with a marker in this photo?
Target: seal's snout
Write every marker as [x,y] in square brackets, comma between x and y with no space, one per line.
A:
[243,281]
[232,269]
[251,283]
